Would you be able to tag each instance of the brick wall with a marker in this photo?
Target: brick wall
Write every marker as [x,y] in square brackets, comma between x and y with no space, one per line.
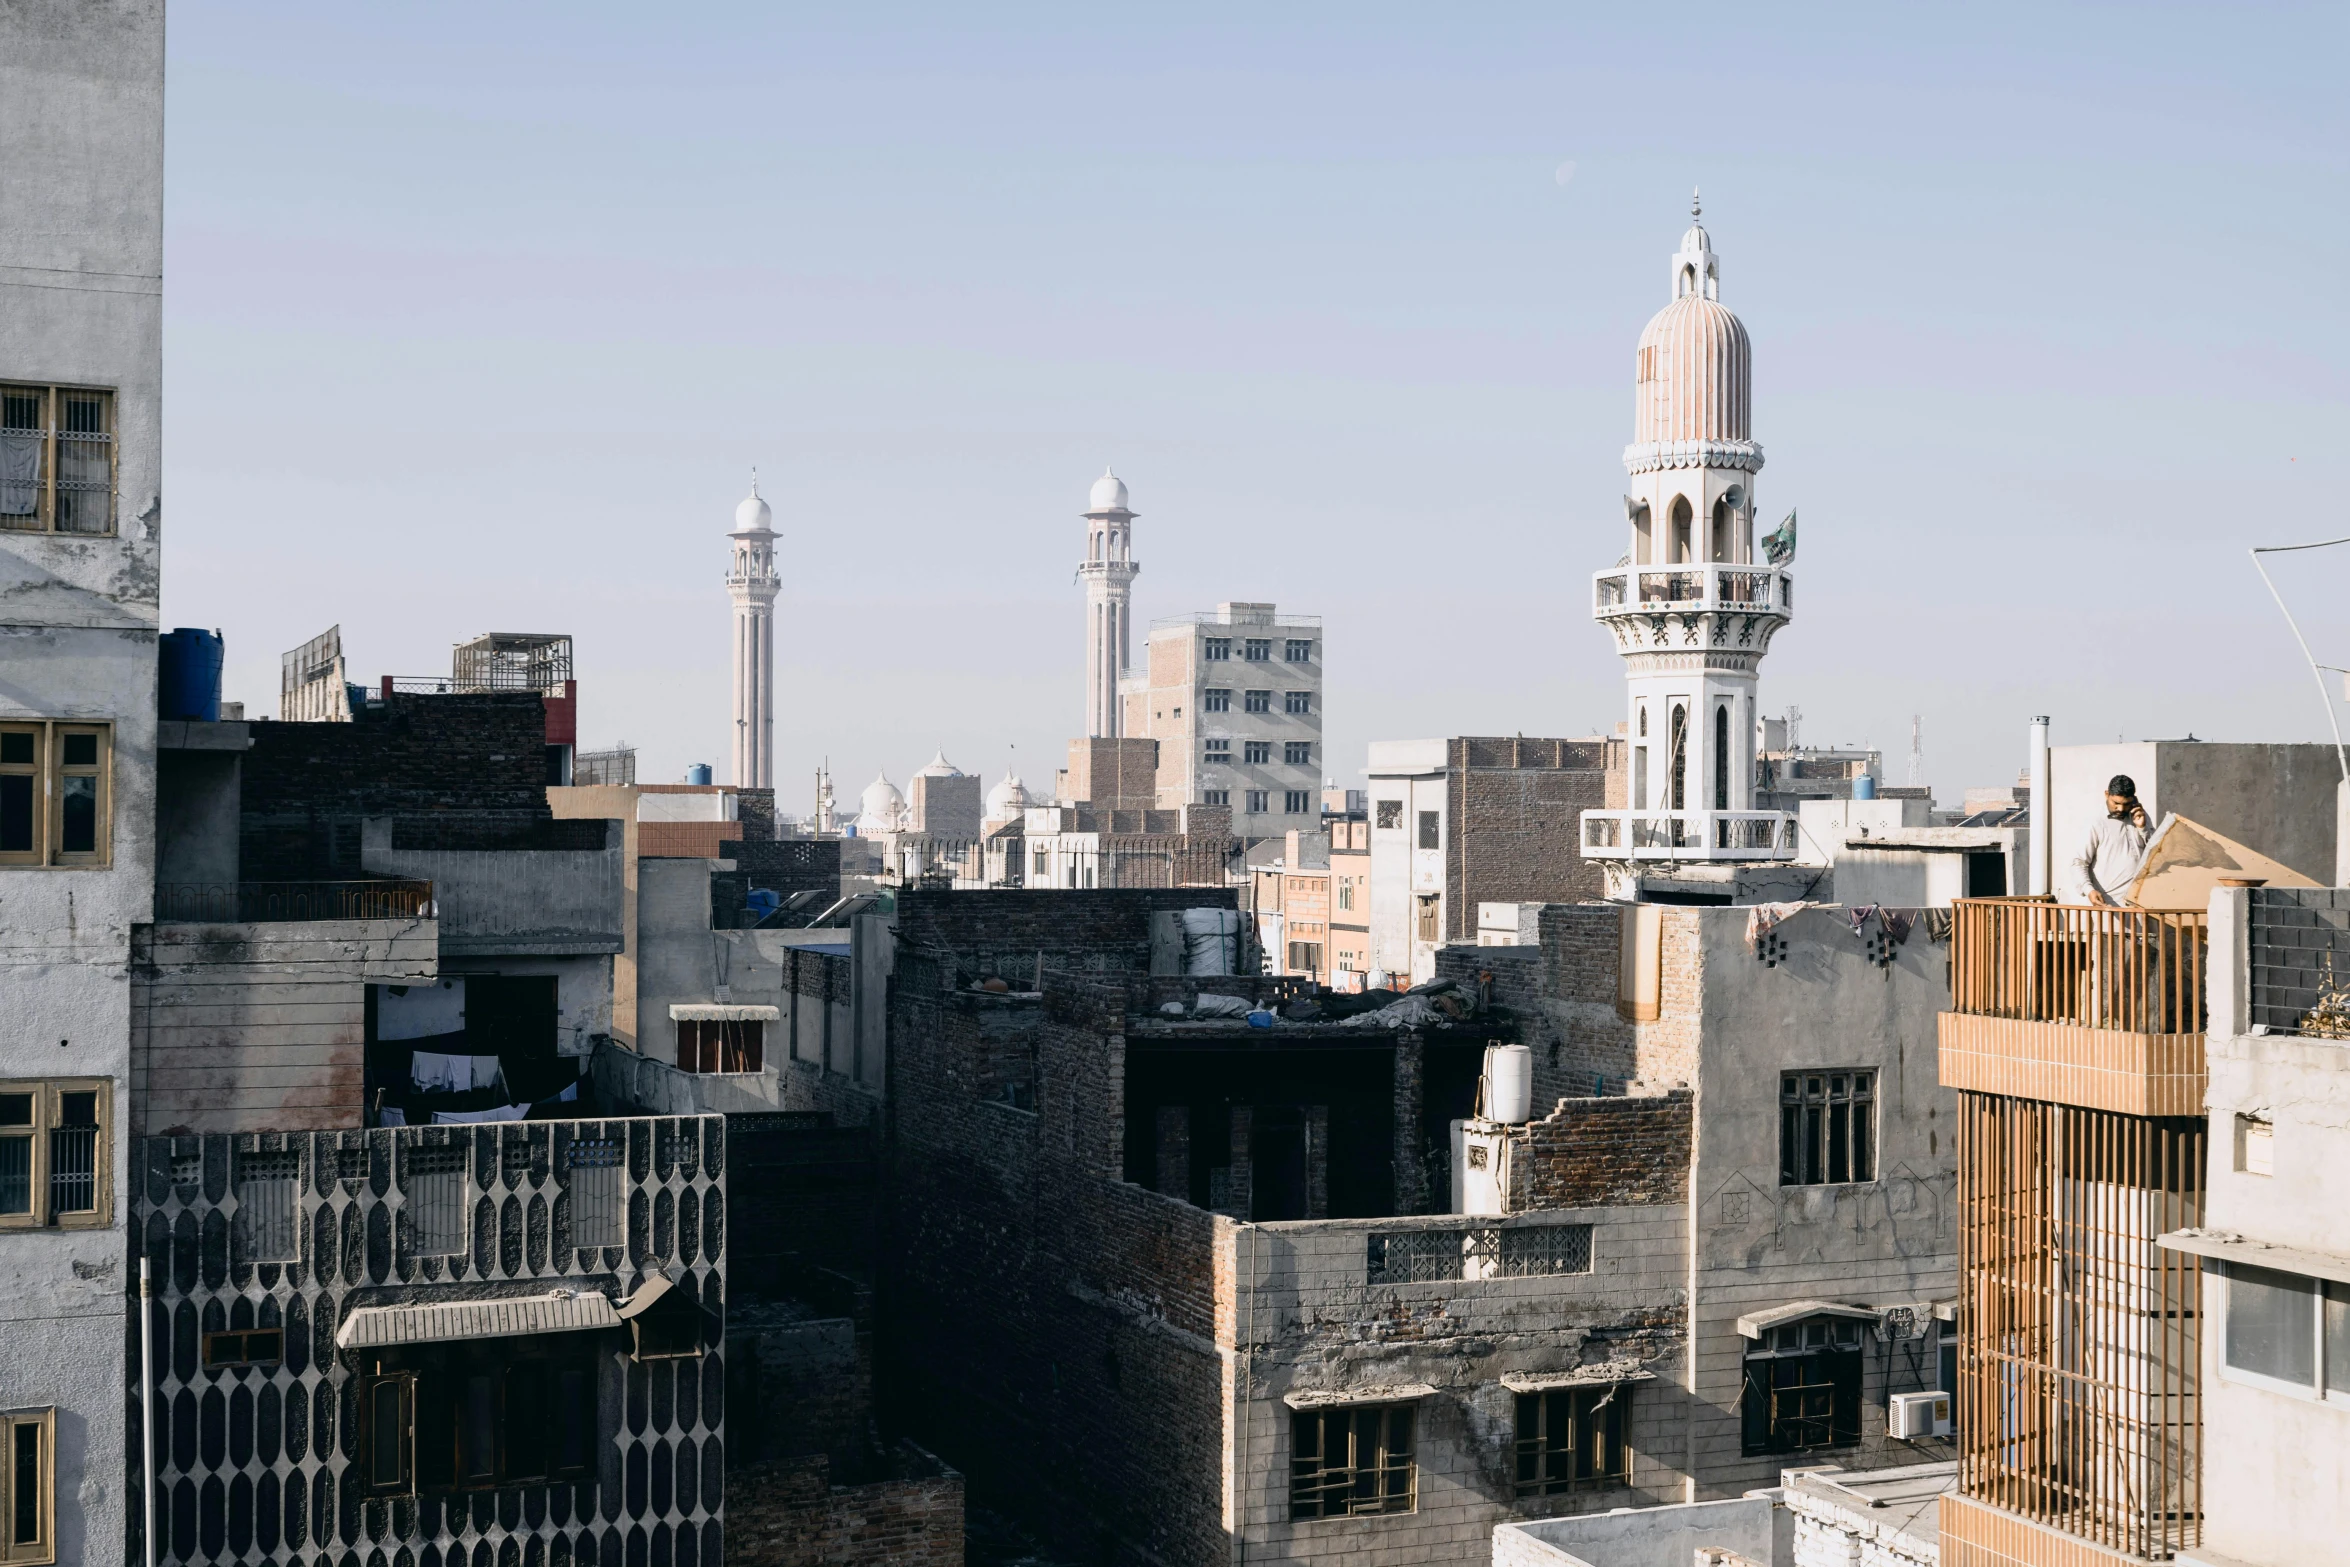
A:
[1013,933]
[1046,1327]
[471,766]
[789,1514]
[1514,828]
[1604,1153]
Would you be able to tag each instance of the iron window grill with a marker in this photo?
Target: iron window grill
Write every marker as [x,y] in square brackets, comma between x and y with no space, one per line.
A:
[1350,1461]
[1484,1252]
[1803,1387]
[597,1211]
[1827,1128]
[1572,1439]
[73,1155]
[267,1205]
[2300,960]
[434,1187]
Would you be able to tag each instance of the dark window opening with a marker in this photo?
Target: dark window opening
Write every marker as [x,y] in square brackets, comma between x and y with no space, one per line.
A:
[1391,815]
[257,1347]
[1429,830]
[1803,1387]
[1986,875]
[721,1045]
[1721,758]
[479,1414]
[1351,1461]
[1572,1439]
[1827,1128]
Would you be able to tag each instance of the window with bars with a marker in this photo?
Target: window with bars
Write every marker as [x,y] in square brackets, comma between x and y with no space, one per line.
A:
[1351,1460]
[55,1161]
[28,1485]
[54,806]
[599,1207]
[433,1189]
[268,1206]
[1257,799]
[1803,1387]
[1298,650]
[1297,701]
[1298,753]
[56,459]
[1827,1128]
[1214,700]
[721,1045]
[1297,802]
[1572,1439]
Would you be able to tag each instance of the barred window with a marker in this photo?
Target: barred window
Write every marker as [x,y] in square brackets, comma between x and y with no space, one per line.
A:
[1572,1439]
[1297,802]
[56,459]
[248,1347]
[1539,1251]
[434,1193]
[1216,797]
[1827,1128]
[1256,801]
[268,1185]
[1351,1461]
[1297,701]
[1298,753]
[597,1205]
[1803,1387]
[54,1154]
[1258,650]
[1215,701]
[1390,815]
[1481,1252]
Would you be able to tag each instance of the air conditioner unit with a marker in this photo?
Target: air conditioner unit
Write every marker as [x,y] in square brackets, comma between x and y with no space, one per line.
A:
[1913,1417]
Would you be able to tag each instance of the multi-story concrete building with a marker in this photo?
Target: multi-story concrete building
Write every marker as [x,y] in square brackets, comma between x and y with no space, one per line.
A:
[1234,698]
[2274,1245]
[1350,893]
[1291,898]
[81,281]
[1482,819]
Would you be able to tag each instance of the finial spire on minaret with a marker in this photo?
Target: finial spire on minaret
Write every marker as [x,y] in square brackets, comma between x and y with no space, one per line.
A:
[1696,208]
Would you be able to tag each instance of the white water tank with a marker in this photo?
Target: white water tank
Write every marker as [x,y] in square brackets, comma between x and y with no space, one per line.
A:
[1509,1083]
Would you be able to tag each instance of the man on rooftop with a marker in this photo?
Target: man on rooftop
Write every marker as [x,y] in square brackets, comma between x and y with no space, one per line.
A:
[2109,861]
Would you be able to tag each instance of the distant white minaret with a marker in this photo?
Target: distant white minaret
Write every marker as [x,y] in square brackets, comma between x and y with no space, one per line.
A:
[752,583]
[1109,596]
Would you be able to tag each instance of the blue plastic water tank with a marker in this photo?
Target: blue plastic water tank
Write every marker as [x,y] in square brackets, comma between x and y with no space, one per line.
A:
[1864,787]
[698,773]
[187,676]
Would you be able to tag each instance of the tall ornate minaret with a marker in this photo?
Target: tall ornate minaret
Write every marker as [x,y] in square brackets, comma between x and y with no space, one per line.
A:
[1691,608]
[752,583]
[1109,595]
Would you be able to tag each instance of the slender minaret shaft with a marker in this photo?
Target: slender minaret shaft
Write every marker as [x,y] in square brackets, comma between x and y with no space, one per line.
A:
[1108,571]
[752,583]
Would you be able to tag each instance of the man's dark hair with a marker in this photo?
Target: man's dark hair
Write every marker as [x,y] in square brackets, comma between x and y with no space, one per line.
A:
[2122,784]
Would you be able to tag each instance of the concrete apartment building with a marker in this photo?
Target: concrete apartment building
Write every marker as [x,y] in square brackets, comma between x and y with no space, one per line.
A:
[1234,698]
[1350,892]
[1470,820]
[81,282]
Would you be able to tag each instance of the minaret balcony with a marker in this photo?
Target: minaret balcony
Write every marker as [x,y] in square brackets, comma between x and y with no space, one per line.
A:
[1688,835]
[1692,588]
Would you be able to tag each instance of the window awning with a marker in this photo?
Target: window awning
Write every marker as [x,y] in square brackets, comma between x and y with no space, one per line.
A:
[1578,1376]
[560,1311]
[710,1012]
[1331,1397]
[2227,1246]
[1757,1323]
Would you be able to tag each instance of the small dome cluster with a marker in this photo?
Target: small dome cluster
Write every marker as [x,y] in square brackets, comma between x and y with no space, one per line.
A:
[1007,799]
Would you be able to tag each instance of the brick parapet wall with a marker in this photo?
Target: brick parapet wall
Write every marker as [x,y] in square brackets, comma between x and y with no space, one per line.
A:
[787,1513]
[1514,822]
[1604,1153]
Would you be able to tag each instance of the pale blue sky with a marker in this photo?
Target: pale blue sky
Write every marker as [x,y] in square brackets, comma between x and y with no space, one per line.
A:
[478,316]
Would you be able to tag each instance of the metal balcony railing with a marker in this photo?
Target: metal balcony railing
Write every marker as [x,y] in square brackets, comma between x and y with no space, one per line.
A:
[263,902]
[1688,835]
[2138,971]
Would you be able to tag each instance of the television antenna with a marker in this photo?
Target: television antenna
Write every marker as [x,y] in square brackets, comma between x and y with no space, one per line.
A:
[2317,671]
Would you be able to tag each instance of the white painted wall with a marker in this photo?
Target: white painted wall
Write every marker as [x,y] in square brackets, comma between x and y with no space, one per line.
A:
[1409,774]
[81,262]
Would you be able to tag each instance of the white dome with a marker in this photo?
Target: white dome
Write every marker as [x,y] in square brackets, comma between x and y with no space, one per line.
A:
[880,808]
[754,513]
[1109,493]
[1695,375]
[940,767]
[1007,799]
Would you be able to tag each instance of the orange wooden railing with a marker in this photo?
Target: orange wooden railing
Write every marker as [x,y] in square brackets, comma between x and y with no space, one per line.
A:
[2138,970]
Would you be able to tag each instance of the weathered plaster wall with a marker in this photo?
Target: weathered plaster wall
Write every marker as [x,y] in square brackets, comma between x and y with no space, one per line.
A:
[240,1026]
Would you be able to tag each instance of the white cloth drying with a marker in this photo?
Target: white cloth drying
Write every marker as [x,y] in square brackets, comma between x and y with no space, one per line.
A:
[501,1113]
[430,1070]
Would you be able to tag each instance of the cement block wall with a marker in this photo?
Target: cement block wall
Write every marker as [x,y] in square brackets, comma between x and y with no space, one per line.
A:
[241,1026]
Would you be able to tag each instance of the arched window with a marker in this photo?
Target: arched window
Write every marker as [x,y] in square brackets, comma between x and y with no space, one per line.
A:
[1679,766]
[1722,757]
[1688,281]
[1642,551]
[1725,521]
[1680,536]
